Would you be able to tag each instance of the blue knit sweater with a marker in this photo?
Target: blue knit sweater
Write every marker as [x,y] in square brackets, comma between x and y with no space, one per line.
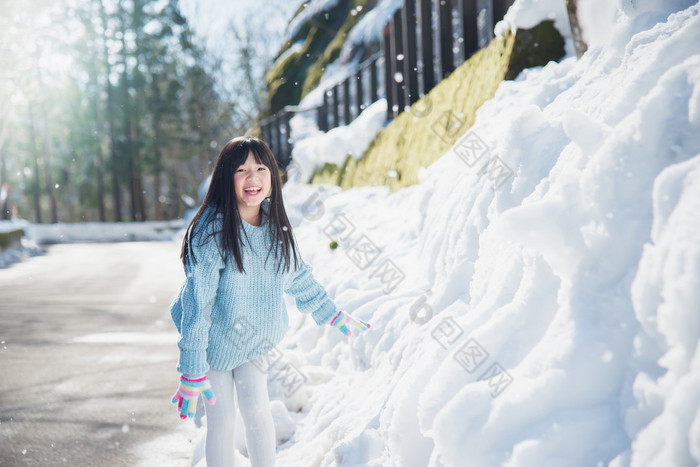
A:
[225,317]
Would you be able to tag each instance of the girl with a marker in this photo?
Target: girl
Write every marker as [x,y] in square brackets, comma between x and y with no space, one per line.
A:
[229,310]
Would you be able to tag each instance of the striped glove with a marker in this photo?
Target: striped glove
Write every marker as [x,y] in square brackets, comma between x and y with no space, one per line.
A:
[188,391]
[347,323]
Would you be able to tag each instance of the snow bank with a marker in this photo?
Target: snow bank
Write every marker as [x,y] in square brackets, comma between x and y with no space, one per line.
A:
[11,256]
[10,225]
[85,232]
[664,417]
[44,234]
[533,302]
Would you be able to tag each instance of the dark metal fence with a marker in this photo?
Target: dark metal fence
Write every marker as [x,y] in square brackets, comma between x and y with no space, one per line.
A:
[424,41]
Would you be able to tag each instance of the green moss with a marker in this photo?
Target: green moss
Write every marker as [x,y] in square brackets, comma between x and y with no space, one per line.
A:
[332,52]
[328,174]
[289,80]
[285,79]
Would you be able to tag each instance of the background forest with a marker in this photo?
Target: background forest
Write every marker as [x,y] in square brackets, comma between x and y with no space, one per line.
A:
[113,111]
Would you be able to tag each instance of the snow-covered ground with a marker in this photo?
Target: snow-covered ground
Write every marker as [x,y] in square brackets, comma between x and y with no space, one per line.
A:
[82,232]
[103,231]
[534,300]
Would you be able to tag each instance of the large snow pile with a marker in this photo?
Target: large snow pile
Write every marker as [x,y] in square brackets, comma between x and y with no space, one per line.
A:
[534,300]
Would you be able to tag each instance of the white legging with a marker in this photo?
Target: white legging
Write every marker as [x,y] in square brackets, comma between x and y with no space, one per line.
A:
[254,404]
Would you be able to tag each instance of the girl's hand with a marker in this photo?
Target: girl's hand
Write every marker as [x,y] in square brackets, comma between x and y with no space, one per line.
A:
[347,323]
[191,386]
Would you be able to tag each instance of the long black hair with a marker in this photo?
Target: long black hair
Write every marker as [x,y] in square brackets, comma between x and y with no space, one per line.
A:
[222,197]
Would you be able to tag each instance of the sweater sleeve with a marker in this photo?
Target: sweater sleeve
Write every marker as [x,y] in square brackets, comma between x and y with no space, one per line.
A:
[198,297]
[310,296]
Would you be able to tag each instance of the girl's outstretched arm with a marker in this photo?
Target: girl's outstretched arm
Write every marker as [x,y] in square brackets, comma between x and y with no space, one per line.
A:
[198,297]
[310,296]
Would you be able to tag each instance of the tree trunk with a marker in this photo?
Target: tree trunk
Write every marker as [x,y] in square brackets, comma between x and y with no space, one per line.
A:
[576,34]
[157,187]
[114,158]
[158,168]
[156,106]
[4,185]
[99,132]
[99,162]
[139,205]
[128,124]
[35,155]
[47,150]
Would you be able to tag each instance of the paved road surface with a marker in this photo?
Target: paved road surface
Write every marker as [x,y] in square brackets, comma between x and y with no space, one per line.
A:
[88,355]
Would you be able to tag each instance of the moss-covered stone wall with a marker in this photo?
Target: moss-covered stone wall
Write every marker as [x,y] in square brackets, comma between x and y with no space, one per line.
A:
[418,137]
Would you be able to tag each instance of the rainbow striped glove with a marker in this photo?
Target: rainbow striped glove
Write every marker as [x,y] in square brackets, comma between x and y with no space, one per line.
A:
[347,323]
[191,386]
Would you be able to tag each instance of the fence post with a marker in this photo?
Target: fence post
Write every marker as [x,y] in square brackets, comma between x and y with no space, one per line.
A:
[467,10]
[500,8]
[263,130]
[322,114]
[445,34]
[276,136]
[398,51]
[389,88]
[373,81]
[282,137]
[410,62]
[288,139]
[359,92]
[347,117]
[426,39]
[268,129]
[484,18]
[336,117]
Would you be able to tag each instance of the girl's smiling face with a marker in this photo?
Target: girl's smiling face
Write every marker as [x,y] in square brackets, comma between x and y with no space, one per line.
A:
[252,183]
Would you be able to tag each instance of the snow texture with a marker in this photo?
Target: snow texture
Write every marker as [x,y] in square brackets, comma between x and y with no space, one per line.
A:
[547,307]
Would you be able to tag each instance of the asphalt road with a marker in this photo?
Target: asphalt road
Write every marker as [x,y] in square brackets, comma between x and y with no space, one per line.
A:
[88,355]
